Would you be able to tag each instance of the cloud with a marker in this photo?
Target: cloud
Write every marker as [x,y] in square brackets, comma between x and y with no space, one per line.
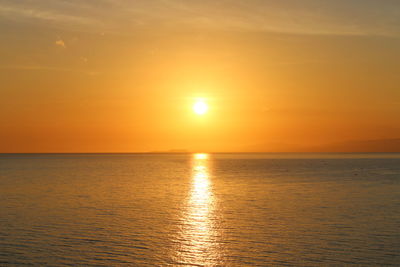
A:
[350,17]
[60,43]
[26,10]
[47,68]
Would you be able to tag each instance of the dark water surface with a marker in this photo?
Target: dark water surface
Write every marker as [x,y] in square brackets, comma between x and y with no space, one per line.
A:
[200,210]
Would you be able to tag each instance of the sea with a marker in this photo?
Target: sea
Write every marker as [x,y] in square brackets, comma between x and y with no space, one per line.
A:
[200,209]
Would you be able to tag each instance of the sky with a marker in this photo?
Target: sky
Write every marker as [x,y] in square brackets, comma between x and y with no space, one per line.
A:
[122,76]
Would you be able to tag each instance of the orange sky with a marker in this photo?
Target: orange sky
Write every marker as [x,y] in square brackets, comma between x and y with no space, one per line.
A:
[121,76]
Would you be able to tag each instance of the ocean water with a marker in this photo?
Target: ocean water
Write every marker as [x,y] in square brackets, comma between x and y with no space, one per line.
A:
[200,209]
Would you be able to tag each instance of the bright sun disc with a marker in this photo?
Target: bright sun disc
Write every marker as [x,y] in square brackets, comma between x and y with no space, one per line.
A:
[200,107]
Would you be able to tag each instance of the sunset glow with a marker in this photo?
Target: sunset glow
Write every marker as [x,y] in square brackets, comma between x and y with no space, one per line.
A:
[224,76]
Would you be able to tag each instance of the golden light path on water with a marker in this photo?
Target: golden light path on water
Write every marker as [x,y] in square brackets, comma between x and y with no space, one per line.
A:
[199,236]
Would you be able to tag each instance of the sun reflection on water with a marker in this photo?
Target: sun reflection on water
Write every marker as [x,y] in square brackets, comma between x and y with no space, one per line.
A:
[198,236]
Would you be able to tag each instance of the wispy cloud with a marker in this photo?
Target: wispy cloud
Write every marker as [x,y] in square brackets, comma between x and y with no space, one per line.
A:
[47,68]
[60,43]
[28,11]
[351,17]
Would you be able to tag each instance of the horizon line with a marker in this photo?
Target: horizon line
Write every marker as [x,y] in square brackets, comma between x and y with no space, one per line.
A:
[189,152]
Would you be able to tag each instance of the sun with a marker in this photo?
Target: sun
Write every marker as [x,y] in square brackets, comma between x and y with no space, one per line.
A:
[200,107]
